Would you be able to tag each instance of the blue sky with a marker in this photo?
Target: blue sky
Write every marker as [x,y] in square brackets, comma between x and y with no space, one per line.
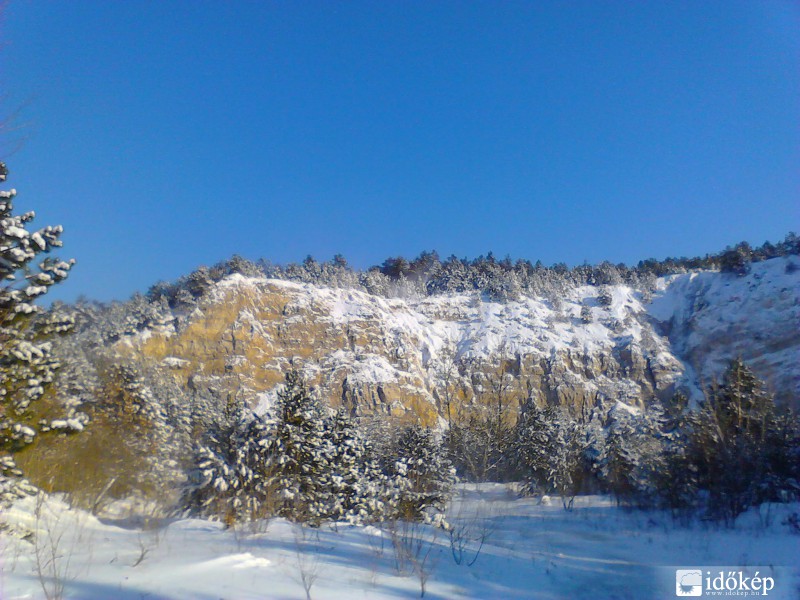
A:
[166,135]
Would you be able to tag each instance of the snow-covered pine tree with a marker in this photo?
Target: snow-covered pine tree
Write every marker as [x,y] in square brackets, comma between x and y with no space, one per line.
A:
[530,447]
[633,453]
[301,454]
[231,480]
[586,314]
[358,486]
[740,445]
[677,481]
[551,448]
[567,467]
[617,460]
[604,296]
[421,475]
[27,366]
[295,462]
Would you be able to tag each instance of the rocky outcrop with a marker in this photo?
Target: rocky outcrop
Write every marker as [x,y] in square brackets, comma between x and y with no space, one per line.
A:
[712,317]
[423,359]
[374,355]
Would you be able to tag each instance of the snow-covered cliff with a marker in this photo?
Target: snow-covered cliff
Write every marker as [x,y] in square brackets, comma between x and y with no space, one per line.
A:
[410,357]
[711,317]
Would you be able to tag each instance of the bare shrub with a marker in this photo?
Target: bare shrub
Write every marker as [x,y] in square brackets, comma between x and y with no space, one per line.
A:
[306,543]
[468,534]
[54,546]
[413,545]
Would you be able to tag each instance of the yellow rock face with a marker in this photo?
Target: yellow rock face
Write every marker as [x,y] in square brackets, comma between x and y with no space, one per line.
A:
[378,356]
[249,334]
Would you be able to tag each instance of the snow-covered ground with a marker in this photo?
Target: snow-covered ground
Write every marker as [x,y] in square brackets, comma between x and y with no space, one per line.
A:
[530,550]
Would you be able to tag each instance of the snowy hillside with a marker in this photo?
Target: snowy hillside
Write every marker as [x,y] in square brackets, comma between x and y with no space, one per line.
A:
[711,317]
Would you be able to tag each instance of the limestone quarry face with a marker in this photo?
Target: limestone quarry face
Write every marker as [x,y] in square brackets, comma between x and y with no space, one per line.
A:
[433,358]
[711,318]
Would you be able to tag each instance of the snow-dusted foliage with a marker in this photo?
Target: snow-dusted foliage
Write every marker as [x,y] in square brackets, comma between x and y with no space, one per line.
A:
[297,462]
[735,451]
[421,475]
[743,449]
[359,489]
[551,447]
[155,415]
[231,478]
[301,463]
[480,446]
[27,366]
[138,420]
[633,453]
[301,454]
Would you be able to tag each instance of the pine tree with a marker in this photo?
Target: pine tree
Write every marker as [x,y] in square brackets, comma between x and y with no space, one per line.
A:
[616,460]
[551,448]
[301,454]
[633,454]
[421,475]
[586,314]
[296,462]
[27,366]
[358,487]
[741,445]
[531,447]
[230,479]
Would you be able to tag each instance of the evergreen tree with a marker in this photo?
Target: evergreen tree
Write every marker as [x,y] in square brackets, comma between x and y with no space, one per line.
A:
[741,446]
[229,480]
[551,447]
[531,447]
[301,454]
[736,260]
[297,463]
[633,454]
[358,486]
[604,296]
[27,365]
[586,314]
[421,475]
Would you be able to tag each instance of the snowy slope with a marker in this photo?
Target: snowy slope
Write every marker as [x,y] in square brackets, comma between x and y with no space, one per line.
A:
[713,317]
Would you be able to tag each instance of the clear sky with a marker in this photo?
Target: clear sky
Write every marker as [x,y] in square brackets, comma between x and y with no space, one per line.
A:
[165,135]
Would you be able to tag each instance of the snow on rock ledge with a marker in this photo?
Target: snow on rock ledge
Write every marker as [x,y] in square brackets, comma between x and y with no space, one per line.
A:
[377,355]
[712,317]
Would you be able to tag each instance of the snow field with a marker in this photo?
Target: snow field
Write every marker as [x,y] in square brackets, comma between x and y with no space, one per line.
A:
[507,547]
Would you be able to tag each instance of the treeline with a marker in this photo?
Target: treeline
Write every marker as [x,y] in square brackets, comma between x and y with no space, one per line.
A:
[500,279]
[734,451]
[300,462]
[146,437]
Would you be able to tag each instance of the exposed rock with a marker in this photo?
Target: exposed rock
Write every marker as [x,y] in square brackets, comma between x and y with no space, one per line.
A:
[410,358]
